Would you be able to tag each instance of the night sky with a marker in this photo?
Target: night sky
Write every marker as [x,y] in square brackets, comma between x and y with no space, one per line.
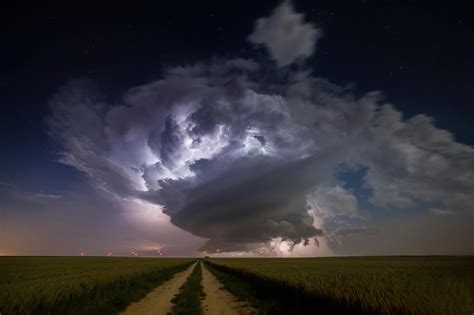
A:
[239,139]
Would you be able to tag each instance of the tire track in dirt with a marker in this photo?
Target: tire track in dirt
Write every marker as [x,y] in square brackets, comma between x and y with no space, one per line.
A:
[219,301]
[158,301]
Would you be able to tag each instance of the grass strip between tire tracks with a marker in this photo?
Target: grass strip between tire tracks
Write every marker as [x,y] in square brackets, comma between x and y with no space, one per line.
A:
[188,300]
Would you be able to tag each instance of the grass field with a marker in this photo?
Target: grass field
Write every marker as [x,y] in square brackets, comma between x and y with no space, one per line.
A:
[379,285]
[79,285]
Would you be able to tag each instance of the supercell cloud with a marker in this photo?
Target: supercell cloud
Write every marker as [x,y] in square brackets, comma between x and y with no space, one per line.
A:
[242,153]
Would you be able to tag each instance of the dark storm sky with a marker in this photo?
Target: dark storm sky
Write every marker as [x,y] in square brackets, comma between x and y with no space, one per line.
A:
[418,53]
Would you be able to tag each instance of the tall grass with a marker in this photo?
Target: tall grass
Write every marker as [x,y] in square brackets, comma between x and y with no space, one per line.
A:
[379,285]
[79,285]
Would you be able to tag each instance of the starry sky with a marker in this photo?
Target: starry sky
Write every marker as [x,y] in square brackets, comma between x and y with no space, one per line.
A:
[276,128]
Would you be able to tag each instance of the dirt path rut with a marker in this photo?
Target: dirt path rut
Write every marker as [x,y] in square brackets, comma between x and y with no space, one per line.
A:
[219,301]
[158,301]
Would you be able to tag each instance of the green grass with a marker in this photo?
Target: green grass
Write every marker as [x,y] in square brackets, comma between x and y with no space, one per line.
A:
[364,285]
[188,300]
[79,285]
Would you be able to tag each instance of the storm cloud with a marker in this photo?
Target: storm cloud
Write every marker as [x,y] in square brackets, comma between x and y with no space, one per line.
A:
[243,153]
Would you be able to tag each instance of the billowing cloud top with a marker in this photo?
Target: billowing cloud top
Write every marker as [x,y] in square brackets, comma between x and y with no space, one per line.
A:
[242,160]
[285,35]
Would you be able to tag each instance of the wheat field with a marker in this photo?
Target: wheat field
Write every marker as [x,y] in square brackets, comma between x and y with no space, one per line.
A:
[380,285]
[79,285]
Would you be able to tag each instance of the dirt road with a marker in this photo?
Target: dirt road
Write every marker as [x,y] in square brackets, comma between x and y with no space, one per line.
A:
[158,301]
[219,301]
